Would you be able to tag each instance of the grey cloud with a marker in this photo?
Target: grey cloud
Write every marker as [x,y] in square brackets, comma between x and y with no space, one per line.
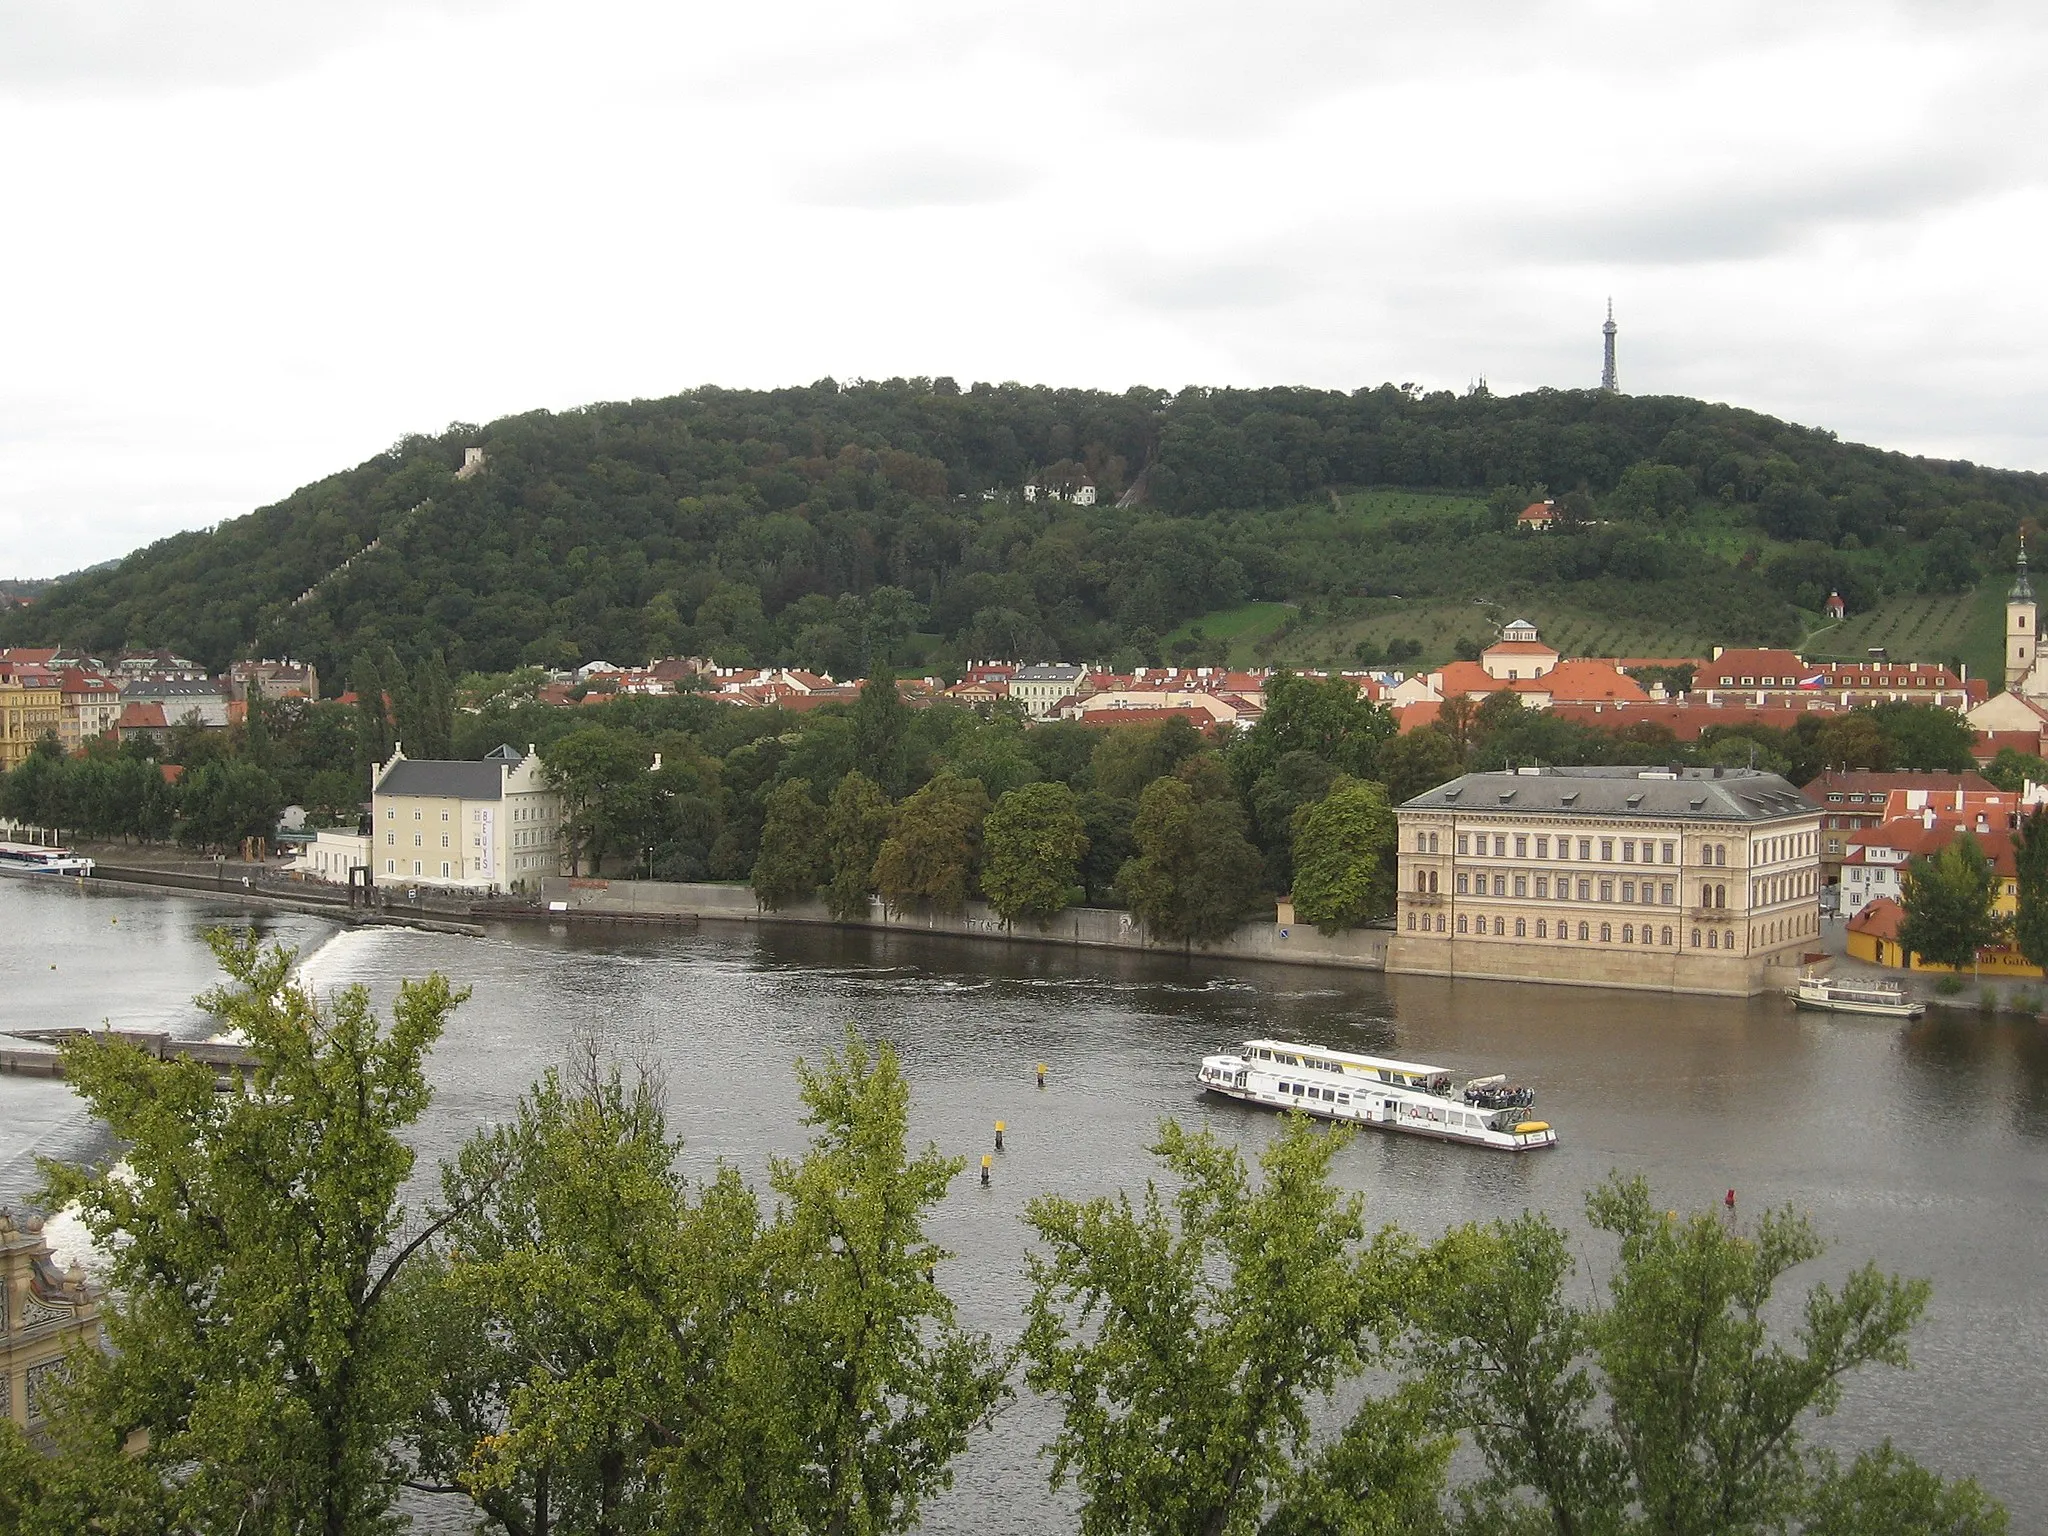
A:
[1178,285]
[71,47]
[913,178]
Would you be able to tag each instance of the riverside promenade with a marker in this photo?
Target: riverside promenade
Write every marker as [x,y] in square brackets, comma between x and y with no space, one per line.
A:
[1280,941]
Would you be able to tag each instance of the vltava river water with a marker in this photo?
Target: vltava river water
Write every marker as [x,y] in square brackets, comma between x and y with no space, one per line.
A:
[1923,1148]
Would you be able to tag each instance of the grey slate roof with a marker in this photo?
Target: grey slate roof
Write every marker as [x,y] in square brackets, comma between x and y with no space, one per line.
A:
[1049,672]
[1695,794]
[465,781]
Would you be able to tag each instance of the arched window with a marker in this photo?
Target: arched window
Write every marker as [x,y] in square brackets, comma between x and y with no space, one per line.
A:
[1422,879]
[1461,925]
[1432,882]
[1521,928]
[1607,933]
[1542,929]
[1666,937]
[1411,922]
[1464,882]
[1713,939]
[1432,842]
[1584,933]
[1695,938]
[1728,939]
[1720,895]
[1500,927]
[1628,933]
[1439,922]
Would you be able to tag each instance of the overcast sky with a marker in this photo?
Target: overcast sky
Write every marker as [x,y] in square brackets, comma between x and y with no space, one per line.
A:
[250,243]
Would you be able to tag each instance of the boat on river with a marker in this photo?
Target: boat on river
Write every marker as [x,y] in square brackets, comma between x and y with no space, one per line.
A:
[33,859]
[1885,999]
[1379,1092]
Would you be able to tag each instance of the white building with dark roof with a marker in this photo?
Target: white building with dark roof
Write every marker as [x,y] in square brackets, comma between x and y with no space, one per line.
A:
[493,826]
[1676,880]
[1041,686]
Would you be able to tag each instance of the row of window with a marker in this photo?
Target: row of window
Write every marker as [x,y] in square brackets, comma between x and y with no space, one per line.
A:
[1653,893]
[1715,938]
[418,868]
[1770,850]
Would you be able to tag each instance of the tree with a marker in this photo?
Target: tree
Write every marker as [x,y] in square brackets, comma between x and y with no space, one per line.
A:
[934,844]
[1106,822]
[1193,876]
[1126,759]
[373,738]
[1323,716]
[1948,900]
[1299,778]
[880,723]
[1033,845]
[1853,740]
[601,773]
[862,1388]
[1184,1339]
[222,802]
[2030,869]
[579,1319]
[255,728]
[856,823]
[792,855]
[253,1248]
[2011,770]
[1418,762]
[1667,1404]
[1923,737]
[1344,845]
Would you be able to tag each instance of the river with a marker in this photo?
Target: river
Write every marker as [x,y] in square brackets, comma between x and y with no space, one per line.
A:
[1923,1147]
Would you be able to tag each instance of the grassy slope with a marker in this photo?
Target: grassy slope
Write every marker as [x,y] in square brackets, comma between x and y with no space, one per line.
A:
[1911,626]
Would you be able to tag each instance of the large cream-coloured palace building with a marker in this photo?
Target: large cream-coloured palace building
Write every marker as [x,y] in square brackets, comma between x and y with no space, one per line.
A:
[1682,880]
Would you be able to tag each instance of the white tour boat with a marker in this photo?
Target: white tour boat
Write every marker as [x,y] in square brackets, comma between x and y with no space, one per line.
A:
[1372,1090]
[1886,999]
[32,859]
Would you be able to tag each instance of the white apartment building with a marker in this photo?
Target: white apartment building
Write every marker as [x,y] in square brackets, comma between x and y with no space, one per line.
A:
[1041,686]
[493,826]
[1683,880]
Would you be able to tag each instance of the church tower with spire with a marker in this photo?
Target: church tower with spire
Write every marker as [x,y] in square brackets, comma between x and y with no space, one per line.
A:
[2022,625]
[1608,381]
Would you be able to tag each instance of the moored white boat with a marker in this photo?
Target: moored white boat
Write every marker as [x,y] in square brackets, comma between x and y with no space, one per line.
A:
[1884,999]
[32,859]
[1376,1091]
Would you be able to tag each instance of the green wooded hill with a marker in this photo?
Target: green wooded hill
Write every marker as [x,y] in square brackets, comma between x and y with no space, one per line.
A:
[839,527]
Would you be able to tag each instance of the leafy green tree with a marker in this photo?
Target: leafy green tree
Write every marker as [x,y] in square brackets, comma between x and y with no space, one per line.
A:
[373,732]
[1297,779]
[856,823]
[578,1323]
[934,844]
[880,724]
[994,752]
[861,1387]
[1666,1404]
[1193,876]
[253,1245]
[792,857]
[255,728]
[1344,844]
[1185,1338]
[1949,901]
[2012,770]
[222,802]
[1128,758]
[1034,842]
[1106,822]
[35,790]
[1853,740]
[1418,762]
[607,802]
[1323,716]
[1925,738]
[2030,861]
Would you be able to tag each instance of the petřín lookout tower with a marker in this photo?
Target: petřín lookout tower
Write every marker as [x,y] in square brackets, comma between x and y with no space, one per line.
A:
[1607,380]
